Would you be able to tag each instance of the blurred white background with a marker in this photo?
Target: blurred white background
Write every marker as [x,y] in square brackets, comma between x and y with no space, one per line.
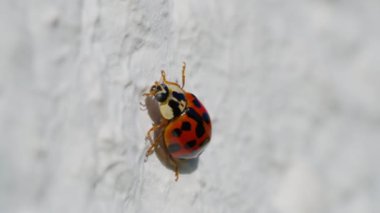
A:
[292,88]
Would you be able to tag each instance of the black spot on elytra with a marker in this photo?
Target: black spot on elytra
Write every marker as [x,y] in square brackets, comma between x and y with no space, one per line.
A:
[206,118]
[197,103]
[174,147]
[190,144]
[176,132]
[178,96]
[199,129]
[194,115]
[186,126]
[175,107]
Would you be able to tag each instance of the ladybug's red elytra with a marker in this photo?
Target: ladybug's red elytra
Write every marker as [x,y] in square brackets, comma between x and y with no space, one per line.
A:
[185,122]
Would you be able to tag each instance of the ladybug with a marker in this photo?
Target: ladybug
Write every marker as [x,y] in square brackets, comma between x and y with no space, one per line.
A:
[185,123]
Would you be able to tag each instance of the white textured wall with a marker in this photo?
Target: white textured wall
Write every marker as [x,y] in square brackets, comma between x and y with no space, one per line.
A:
[292,88]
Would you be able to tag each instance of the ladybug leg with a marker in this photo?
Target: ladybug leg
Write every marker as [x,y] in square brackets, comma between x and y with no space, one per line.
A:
[151,93]
[154,128]
[176,168]
[176,172]
[154,143]
[148,94]
[183,74]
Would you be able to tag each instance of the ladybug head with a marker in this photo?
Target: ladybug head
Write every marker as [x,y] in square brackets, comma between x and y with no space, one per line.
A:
[160,92]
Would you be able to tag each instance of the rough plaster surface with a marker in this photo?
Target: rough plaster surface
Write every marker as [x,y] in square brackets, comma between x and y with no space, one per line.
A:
[292,87]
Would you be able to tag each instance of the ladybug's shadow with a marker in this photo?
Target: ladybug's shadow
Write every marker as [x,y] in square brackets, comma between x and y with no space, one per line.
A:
[184,166]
